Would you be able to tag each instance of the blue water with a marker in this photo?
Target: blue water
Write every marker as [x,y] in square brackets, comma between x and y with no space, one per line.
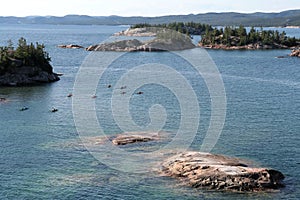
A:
[41,155]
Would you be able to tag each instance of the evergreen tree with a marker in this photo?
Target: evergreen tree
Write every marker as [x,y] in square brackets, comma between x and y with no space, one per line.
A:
[26,55]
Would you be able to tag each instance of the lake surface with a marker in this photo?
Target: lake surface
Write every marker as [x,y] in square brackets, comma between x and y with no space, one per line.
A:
[41,154]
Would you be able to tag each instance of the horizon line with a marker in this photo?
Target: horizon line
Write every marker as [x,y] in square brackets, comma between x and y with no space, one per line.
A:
[211,12]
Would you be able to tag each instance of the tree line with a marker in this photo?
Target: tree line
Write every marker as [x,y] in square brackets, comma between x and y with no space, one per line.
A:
[189,28]
[24,55]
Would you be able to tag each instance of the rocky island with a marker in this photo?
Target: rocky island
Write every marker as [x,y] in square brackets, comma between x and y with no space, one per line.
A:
[239,38]
[165,40]
[25,65]
[217,172]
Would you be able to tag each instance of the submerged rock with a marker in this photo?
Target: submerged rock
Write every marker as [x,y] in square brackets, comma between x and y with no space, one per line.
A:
[3,99]
[220,173]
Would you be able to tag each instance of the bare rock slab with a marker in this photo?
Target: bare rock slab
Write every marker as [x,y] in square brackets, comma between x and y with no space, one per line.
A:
[295,53]
[205,170]
[165,40]
[70,46]
[135,137]
[137,32]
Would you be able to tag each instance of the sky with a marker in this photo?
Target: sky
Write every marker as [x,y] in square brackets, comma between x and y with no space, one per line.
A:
[140,7]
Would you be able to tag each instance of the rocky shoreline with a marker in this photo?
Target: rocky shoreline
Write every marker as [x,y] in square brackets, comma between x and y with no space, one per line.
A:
[25,75]
[256,46]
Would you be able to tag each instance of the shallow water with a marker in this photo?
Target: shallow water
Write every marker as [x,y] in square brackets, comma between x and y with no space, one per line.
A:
[42,155]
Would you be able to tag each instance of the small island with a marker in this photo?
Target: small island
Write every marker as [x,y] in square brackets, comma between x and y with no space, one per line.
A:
[28,64]
[218,172]
[239,38]
[165,40]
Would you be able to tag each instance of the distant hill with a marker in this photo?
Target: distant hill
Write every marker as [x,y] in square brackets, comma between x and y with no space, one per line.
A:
[285,18]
